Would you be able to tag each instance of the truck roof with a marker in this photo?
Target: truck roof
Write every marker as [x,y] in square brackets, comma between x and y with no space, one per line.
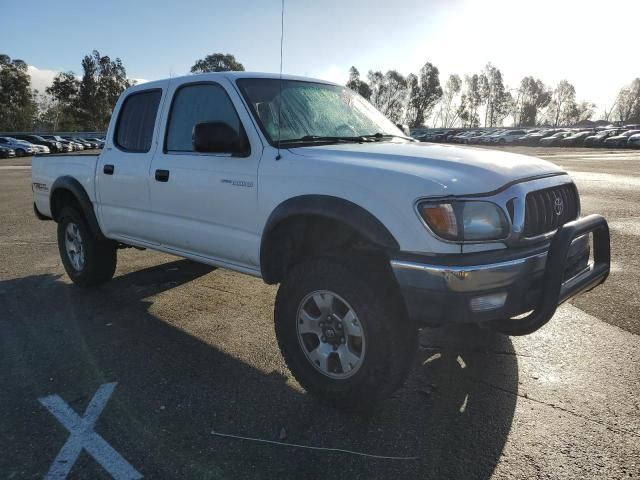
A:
[229,75]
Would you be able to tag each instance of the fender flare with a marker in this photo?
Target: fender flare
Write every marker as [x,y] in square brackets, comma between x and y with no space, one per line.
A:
[73,186]
[334,208]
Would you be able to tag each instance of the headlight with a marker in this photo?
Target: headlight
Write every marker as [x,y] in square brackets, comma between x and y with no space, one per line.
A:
[465,221]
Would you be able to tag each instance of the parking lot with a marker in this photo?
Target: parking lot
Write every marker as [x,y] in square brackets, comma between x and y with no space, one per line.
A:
[193,354]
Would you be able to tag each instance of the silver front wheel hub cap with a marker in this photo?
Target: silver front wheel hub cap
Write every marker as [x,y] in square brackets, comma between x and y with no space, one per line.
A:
[73,246]
[330,334]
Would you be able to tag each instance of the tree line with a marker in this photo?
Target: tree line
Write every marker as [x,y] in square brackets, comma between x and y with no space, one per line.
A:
[85,102]
[483,99]
[70,103]
[75,102]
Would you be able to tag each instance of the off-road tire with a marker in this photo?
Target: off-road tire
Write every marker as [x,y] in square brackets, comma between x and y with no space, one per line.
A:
[100,255]
[391,338]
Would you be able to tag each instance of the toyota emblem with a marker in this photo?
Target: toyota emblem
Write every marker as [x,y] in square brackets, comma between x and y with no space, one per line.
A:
[558,206]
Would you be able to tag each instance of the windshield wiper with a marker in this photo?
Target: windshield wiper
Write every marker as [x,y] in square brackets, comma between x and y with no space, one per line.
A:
[374,137]
[324,138]
[380,136]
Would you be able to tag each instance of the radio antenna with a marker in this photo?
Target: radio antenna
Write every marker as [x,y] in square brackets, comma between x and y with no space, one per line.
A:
[278,156]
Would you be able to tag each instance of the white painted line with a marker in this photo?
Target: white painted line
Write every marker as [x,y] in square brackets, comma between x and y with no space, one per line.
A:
[15,167]
[461,362]
[310,447]
[463,407]
[83,437]
[433,357]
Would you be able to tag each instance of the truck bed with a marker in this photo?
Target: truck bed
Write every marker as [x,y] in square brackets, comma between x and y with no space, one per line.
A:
[45,170]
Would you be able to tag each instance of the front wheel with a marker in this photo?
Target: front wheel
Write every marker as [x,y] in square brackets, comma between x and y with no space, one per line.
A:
[87,259]
[342,333]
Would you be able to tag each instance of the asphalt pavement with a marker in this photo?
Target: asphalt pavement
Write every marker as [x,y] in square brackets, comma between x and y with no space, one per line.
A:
[175,367]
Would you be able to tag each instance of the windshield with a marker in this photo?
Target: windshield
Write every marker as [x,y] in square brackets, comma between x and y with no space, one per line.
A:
[312,110]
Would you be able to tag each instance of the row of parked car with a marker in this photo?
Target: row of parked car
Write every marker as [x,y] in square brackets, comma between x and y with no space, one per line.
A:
[26,145]
[610,137]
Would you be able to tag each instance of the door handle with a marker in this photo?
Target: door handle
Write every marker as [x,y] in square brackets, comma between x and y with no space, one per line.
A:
[108,169]
[162,175]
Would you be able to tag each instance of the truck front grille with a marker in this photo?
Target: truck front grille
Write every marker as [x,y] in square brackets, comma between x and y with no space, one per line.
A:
[548,209]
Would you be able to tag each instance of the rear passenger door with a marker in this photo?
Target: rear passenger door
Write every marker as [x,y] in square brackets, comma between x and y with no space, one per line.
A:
[122,174]
[205,204]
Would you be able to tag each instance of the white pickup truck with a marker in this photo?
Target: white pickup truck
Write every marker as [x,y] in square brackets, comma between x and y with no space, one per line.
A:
[370,234]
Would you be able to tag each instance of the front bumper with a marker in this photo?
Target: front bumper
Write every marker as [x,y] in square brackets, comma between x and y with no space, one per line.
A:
[499,290]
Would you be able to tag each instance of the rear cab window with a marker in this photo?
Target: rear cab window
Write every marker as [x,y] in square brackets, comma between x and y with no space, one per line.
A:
[136,121]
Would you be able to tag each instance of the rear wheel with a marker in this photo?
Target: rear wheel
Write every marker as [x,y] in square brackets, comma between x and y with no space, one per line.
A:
[87,259]
[342,333]
[20,152]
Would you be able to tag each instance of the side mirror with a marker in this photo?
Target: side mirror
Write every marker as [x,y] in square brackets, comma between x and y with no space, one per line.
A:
[218,137]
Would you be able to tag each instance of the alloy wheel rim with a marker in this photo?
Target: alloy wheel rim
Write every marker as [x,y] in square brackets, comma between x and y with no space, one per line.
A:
[73,246]
[330,334]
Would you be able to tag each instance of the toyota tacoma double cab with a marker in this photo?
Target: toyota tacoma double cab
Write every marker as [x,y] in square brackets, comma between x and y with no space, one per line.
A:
[369,233]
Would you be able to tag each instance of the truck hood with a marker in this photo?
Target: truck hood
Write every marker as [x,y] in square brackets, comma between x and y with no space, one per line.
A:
[458,170]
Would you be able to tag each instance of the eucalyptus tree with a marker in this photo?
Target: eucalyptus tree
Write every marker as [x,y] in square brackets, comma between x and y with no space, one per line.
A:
[217,62]
[17,106]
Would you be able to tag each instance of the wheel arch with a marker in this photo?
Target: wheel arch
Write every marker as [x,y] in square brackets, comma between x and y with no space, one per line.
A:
[307,210]
[69,191]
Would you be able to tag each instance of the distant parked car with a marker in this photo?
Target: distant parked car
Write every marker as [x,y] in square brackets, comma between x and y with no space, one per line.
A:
[467,138]
[532,138]
[67,146]
[81,141]
[554,140]
[438,136]
[620,140]
[91,143]
[480,136]
[98,141]
[449,134]
[6,152]
[489,138]
[77,146]
[457,138]
[21,147]
[53,145]
[431,136]
[508,136]
[634,141]
[461,137]
[598,139]
[40,149]
[576,139]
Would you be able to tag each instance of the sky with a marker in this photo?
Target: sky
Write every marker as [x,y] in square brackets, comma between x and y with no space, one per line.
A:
[591,43]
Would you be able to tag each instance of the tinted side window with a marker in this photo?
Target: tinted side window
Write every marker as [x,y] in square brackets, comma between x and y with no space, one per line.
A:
[137,118]
[197,104]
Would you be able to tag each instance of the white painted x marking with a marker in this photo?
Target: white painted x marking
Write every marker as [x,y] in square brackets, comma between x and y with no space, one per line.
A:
[83,437]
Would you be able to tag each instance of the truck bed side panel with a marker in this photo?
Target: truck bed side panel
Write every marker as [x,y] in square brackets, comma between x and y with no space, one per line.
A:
[46,170]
